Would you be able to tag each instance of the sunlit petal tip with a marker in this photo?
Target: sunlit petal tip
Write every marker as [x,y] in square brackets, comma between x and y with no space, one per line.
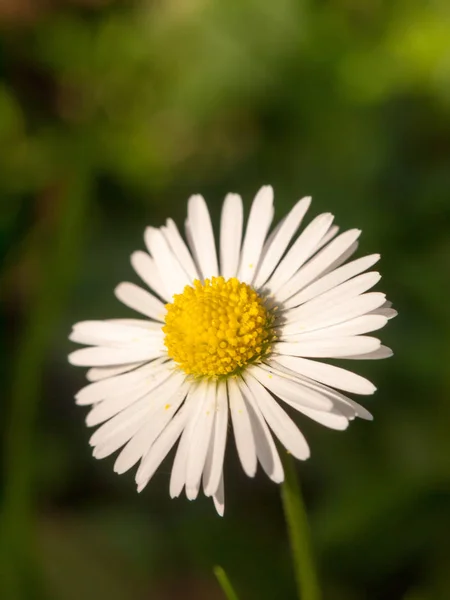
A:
[141,486]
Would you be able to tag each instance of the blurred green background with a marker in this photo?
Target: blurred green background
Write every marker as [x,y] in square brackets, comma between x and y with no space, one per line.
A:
[111,114]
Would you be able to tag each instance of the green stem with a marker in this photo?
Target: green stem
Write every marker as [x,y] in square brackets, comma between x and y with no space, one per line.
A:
[56,267]
[299,533]
[225,584]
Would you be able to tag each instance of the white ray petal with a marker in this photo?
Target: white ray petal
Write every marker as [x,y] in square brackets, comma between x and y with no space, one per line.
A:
[347,405]
[100,356]
[163,445]
[334,314]
[171,272]
[104,333]
[381,352]
[180,249]
[141,443]
[179,468]
[124,430]
[202,236]
[356,326]
[118,401]
[100,389]
[140,300]
[389,313]
[317,265]
[344,405]
[219,498]
[281,424]
[231,235]
[330,234]
[99,373]
[265,447]
[145,267]
[333,279]
[153,326]
[259,220]
[300,251]
[331,419]
[285,389]
[328,374]
[281,241]
[242,429]
[201,436]
[141,408]
[343,258]
[214,465]
[340,295]
[335,347]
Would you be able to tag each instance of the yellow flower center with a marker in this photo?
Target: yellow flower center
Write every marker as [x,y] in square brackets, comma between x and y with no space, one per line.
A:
[216,328]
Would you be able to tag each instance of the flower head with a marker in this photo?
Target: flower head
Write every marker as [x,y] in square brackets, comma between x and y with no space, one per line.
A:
[237,341]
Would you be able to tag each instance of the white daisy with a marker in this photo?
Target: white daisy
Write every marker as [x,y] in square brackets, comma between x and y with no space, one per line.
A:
[230,338]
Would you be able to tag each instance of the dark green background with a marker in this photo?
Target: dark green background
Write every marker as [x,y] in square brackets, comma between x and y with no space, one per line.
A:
[111,115]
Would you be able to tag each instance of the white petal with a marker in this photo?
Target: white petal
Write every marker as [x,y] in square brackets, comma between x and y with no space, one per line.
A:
[286,389]
[100,356]
[104,333]
[334,418]
[201,436]
[202,236]
[162,445]
[98,373]
[349,408]
[329,419]
[355,408]
[281,424]
[300,251]
[318,264]
[171,272]
[330,234]
[180,249]
[120,429]
[334,314]
[340,295]
[178,475]
[231,235]
[389,313]
[138,410]
[281,241]
[117,401]
[142,323]
[265,448]
[259,220]
[333,279]
[219,498]
[242,429]
[99,390]
[214,464]
[328,374]
[140,300]
[141,443]
[334,347]
[381,352]
[145,267]
[341,259]
[357,326]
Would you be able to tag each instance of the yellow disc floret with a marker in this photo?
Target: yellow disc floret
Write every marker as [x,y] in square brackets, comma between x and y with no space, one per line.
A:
[216,328]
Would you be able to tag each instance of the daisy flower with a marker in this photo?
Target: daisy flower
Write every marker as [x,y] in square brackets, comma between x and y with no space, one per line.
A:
[230,335]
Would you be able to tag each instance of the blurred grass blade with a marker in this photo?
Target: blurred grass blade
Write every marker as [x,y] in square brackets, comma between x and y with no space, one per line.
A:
[299,535]
[57,261]
[225,584]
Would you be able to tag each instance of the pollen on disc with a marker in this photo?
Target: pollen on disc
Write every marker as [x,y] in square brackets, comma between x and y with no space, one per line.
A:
[218,327]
